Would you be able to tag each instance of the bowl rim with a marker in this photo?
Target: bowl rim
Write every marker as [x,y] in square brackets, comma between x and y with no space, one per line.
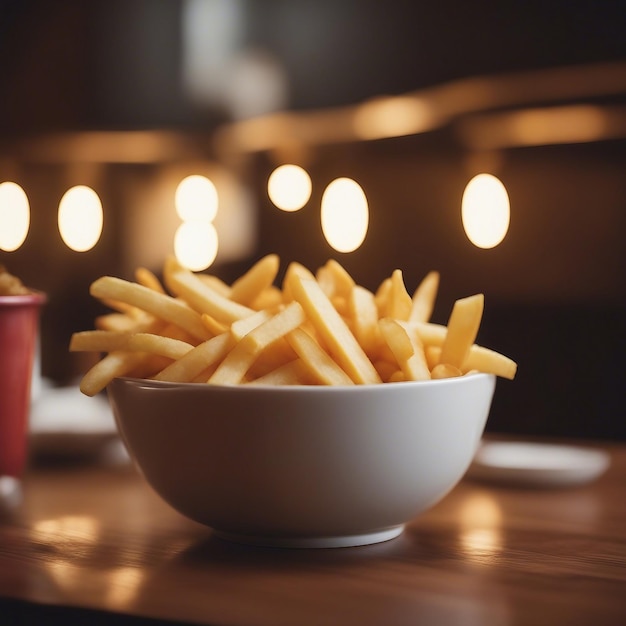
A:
[148,383]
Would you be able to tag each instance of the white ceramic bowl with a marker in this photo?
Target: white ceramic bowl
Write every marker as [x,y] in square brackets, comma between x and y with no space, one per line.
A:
[303,466]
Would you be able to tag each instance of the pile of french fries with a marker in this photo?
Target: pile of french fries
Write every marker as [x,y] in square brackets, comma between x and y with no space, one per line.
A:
[317,328]
[11,285]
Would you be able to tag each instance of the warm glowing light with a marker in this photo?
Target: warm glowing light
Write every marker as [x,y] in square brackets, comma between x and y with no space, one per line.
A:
[568,124]
[485,211]
[80,218]
[345,215]
[481,521]
[391,117]
[543,126]
[289,187]
[14,216]
[196,199]
[196,244]
[78,529]
[124,585]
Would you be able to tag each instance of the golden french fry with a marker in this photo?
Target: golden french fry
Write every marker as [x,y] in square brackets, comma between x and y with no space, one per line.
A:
[423,300]
[238,361]
[445,370]
[149,365]
[337,336]
[433,354]
[123,323]
[242,327]
[319,364]
[341,306]
[205,374]
[158,344]
[215,283]
[203,298]
[157,304]
[386,369]
[234,367]
[188,367]
[364,319]
[294,270]
[334,279]
[148,279]
[399,302]
[397,377]
[406,347]
[272,357]
[490,362]
[11,285]
[430,334]
[121,307]
[291,373]
[99,341]
[269,299]
[115,341]
[258,278]
[325,280]
[479,359]
[212,325]
[174,332]
[115,322]
[344,283]
[274,328]
[112,366]
[381,297]
[462,329]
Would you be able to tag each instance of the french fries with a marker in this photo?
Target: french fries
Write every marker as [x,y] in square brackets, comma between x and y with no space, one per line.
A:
[406,347]
[316,328]
[342,343]
[423,300]
[11,285]
[462,329]
[246,351]
[261,276]
[157,304]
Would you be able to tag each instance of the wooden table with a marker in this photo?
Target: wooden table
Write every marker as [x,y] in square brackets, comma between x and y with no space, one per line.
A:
[94,545]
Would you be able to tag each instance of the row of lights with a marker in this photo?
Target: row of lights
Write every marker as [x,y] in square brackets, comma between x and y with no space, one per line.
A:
[196,241]
[80,217]
[344,213]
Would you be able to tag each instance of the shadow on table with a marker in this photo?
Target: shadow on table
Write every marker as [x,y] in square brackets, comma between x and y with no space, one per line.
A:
[427,546]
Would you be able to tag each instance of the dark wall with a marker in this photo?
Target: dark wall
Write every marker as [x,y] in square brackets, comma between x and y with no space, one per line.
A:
[555,294]
[117,63]
[555,289]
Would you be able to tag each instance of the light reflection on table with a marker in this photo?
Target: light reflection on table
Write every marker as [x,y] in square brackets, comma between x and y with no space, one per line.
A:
[89,537]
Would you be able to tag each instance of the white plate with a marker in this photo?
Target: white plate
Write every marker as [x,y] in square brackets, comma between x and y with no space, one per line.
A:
[538,464]
[66,423]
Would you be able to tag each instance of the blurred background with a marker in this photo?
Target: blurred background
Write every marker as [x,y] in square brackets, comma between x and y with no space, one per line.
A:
[410,100]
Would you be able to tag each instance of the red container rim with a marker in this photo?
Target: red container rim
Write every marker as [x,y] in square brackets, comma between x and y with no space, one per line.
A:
[33,298]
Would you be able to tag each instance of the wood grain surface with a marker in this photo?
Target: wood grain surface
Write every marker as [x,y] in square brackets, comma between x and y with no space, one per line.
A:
[96,545]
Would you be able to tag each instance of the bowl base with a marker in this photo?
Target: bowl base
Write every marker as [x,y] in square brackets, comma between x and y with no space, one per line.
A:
[341,541]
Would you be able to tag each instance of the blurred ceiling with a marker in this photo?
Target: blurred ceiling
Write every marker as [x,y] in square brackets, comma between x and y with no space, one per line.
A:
[194,64]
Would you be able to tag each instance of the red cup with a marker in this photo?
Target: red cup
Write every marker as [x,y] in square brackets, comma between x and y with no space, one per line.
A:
[19,328]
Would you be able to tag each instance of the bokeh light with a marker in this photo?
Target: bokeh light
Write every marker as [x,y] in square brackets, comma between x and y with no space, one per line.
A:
[196,198]
[289,187]
[485,211]
[14,216]
[196,244]
[80,218]
[344,215]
